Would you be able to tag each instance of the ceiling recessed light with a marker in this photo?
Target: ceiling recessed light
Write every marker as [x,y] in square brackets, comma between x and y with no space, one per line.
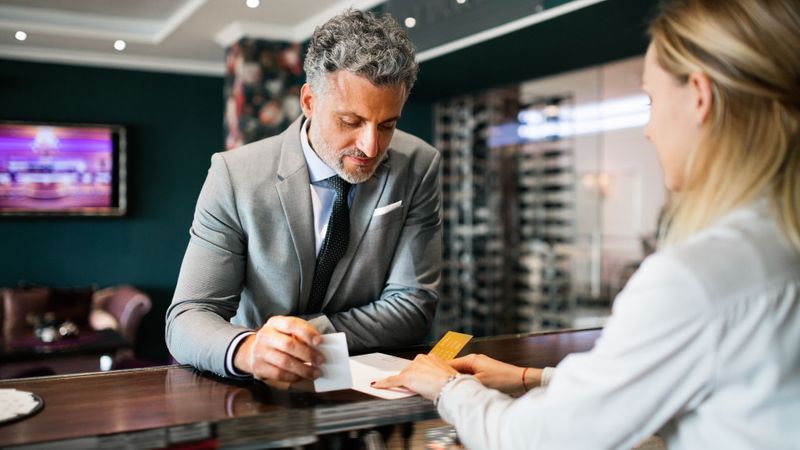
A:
[410,22]
[21,35]
[120,45]
[252,3]
[461,2]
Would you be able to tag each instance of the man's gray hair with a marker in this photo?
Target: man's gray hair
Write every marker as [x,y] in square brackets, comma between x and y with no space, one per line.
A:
[361,43]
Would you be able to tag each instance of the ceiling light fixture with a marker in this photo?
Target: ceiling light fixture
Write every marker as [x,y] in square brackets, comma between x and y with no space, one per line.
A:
[21,35]
[461,2]
[410,22]
[120,45]
[252,3]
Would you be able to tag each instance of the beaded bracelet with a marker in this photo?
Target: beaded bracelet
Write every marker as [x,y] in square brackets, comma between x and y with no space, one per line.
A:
[439,395]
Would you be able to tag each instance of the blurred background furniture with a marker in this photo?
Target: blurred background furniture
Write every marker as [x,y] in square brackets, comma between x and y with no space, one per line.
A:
[107,321]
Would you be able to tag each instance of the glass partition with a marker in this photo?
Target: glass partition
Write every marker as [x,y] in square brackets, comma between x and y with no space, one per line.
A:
[551,196]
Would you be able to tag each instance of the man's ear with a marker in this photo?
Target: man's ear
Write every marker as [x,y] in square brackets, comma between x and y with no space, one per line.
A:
[307,100]
[702,95]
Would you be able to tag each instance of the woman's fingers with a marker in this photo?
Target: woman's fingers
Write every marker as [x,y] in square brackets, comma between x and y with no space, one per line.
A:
[389,382]
[465,364]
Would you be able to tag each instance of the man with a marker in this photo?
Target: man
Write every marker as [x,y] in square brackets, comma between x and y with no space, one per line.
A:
[331,226]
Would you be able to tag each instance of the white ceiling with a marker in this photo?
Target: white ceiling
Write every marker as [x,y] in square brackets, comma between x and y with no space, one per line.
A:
[187,36]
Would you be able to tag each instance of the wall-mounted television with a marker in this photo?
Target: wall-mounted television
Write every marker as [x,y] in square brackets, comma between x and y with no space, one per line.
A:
[62,169]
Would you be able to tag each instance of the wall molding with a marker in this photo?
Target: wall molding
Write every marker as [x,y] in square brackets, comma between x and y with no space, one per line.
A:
[95,26]
[120,61]
[298,33]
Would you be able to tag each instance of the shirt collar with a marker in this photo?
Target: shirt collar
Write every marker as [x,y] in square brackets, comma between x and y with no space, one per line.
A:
[317,169]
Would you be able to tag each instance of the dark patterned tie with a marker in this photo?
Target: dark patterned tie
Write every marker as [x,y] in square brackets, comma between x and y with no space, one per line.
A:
[334,245]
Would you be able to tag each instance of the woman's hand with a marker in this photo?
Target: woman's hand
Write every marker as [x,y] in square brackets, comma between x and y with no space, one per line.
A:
[426,375]
[498,375]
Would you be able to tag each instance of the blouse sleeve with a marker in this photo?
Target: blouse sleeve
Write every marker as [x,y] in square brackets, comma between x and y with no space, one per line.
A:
[653,360]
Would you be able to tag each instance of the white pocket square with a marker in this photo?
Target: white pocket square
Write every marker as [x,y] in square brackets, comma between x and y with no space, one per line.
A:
[388,208]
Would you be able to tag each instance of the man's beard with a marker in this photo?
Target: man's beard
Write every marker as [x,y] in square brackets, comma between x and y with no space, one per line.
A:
[335,160]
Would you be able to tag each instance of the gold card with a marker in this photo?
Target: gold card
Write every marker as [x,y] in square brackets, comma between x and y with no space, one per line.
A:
[449,345]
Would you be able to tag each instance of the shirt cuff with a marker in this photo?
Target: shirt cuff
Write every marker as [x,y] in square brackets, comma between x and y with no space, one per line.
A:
[229,368]
[547,375]
[468,382]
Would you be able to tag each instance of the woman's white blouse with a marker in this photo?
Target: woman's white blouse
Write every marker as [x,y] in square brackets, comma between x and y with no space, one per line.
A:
[703,347]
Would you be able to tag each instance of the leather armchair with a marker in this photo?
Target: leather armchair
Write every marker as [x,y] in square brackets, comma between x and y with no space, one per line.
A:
[126,304]
[119,308]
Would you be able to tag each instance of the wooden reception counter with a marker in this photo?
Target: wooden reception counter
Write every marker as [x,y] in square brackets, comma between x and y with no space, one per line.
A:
[176,405]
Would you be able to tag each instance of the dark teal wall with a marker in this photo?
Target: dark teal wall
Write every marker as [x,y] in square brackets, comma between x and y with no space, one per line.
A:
[174,125]
[417,119]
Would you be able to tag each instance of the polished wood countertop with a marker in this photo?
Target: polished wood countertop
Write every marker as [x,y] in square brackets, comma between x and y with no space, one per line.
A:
[127,401]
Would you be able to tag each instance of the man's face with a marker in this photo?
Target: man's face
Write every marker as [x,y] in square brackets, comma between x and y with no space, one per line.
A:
[352,122]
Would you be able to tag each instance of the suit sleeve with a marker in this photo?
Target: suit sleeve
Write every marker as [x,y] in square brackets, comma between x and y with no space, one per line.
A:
[404,312]
[198,331]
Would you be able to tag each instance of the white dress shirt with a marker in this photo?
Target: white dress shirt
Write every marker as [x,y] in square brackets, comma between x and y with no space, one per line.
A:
[321,195]
[703,347]
[322,204]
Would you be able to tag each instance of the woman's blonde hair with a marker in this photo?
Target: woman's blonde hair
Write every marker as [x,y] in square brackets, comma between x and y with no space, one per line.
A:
[750,50]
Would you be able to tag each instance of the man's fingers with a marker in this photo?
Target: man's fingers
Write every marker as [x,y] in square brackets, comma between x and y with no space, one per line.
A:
[296,327]
[284,353]
[294,347]
[266,371]
[288,363]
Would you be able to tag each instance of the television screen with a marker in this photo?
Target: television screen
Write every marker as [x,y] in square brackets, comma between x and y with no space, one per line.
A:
[60,169]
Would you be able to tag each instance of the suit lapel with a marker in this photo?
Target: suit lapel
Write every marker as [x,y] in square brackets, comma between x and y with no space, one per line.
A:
[366,198]
[295,195]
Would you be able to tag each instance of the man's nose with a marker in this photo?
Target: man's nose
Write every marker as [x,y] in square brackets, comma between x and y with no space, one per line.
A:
[368,141]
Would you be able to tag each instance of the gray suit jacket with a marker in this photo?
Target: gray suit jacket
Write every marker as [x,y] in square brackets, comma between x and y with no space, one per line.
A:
[251,252]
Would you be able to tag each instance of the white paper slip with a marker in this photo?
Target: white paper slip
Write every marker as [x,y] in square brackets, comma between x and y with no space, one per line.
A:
[336,368]
[376,366]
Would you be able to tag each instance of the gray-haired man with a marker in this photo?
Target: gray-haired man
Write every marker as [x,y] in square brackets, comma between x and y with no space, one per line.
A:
[331,226]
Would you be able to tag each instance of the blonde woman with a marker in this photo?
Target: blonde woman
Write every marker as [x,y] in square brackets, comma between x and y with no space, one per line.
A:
[703,346]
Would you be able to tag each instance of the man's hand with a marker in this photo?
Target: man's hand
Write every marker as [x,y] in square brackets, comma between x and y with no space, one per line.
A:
[498,375]
[280,350]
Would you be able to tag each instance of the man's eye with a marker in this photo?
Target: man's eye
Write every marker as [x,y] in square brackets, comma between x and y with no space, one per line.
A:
[349,124]
[388,126]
